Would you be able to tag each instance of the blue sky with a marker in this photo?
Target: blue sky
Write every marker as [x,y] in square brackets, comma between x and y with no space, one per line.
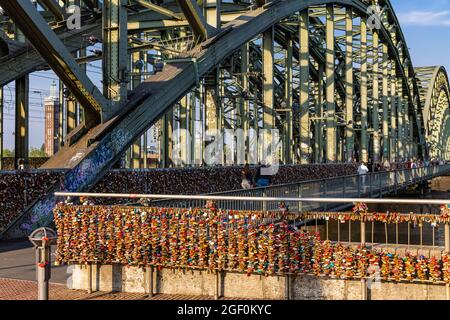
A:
[425,24]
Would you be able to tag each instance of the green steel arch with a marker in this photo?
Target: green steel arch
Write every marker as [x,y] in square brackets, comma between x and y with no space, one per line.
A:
[436,113]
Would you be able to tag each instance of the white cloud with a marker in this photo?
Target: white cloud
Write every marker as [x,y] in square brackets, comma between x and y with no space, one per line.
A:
[425,18]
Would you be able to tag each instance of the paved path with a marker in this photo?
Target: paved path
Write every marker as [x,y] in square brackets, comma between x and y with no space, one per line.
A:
[17,261]
[11,289]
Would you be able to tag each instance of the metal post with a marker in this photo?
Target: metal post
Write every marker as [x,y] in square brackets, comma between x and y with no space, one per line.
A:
[61,132]
[447,237]
[288,147]
[89,271]
[217,286]
[330,74]
[300,195]
[363,233]
[364,91]
[349,135]
[400,119]
[343,186]
[363,289]
[1,128]
[21,123]
[268,89]
[42,240]
[149,276]
[43,255]
[385,125]
[136,149]
[115,46]
[318,130]
[375,96]
[71,113]
[287,293]
[212,13]
[304,88]
[358,179]
[393,111]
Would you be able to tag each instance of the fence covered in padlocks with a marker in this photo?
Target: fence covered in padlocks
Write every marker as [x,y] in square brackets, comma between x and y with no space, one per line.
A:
[222,240]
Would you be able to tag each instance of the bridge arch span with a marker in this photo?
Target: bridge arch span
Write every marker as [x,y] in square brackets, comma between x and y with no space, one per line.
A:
[355,92]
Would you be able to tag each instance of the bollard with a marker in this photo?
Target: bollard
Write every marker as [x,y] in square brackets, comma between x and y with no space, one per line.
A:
[42,240]
[43,270]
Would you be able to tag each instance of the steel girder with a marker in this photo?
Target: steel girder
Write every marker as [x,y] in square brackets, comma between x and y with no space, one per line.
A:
[90,157]
[435,97]
[59,58]
[197,21]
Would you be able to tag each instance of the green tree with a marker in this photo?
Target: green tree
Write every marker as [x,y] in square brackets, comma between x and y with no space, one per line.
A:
[37,153]
[7,153]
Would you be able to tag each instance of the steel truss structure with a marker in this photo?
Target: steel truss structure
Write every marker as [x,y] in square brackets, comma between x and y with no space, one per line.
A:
[335,78]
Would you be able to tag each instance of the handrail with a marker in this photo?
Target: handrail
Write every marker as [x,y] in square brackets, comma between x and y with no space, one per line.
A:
[301,194]
[286,199]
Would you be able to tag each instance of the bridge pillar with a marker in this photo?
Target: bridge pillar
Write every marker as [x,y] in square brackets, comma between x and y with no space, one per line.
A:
[394,99]
[212,107]
[166,139]
[212,13]
[61,133]
[364,100]
[22,123]
[375,97]
[318,130]
[268,94]
[349,133]
[331,138]
[136,79]
[115,52]
[305,144]
[412,148]
[82,114]
[401,107]
[184,141]
[71,113]
[385,101]
[244,100]
[400,117]
[288,146]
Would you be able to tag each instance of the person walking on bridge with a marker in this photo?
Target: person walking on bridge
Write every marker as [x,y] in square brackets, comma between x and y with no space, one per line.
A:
[362,171]
[247,177]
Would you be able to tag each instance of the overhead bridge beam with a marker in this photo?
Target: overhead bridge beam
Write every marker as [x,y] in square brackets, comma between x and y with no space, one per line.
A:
[47,43]
[54,7]
[159,9]
[91,4]
[196,19]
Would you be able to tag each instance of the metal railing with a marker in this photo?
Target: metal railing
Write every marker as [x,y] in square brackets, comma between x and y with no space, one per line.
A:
[324,217]
[372,185]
